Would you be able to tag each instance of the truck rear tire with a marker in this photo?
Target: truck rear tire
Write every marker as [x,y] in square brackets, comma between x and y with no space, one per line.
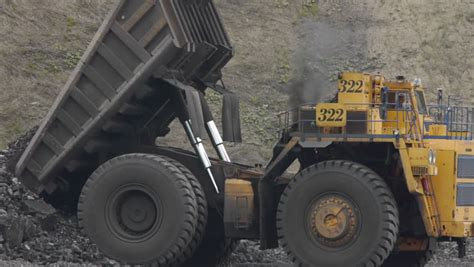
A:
[337,213]
[138,209]
[201,201]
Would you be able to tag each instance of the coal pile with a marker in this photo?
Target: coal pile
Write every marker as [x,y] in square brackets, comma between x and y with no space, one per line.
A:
[249,254]
[30,229]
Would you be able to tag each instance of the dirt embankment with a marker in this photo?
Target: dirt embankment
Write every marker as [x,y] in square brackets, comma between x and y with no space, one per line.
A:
[283,48]
[40,44]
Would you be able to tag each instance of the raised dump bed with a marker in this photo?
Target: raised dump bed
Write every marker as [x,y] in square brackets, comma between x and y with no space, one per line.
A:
[109,97]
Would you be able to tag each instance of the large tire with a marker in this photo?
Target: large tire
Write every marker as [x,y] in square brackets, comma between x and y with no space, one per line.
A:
[139,209]
[412,258]
[202,213]
[215,247]
[337,213]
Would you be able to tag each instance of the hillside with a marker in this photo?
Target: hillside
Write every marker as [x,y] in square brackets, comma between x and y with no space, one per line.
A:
[283,48]
[41,43]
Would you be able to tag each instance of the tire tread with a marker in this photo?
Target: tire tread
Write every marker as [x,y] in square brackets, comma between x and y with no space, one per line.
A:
[369,178]
[180,182]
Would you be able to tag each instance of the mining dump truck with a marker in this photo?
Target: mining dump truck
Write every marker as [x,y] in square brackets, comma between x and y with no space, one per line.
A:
[382,176]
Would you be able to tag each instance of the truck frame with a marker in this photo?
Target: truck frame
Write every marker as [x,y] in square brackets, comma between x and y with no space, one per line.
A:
[382,177]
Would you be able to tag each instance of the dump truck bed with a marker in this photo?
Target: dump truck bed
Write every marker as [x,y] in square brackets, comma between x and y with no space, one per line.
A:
[108,97]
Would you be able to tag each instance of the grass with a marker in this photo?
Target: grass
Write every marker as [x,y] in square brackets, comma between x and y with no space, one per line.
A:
[282,3]
[309,9]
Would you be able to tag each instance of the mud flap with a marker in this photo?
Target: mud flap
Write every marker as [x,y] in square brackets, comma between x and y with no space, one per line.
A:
[231,118]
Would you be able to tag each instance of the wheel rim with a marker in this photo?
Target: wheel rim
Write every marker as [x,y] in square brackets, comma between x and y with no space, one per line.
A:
[333,221]
[134,213]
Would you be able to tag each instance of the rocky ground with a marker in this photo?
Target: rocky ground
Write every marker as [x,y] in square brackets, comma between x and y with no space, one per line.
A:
[32,232]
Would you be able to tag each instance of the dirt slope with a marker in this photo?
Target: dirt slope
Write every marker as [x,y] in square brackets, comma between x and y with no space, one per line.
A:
[41,42]
[276,41]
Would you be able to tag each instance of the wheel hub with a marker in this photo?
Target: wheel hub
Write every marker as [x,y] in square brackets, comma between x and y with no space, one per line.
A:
[134,213]
[137,212]
[333,220]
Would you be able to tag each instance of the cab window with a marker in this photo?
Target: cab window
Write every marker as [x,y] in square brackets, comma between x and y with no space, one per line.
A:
[421,103]
[399,100]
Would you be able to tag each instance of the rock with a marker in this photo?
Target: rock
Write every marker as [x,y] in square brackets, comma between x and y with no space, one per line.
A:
[3,219]
[38,207]
[48,223]
[30,230]
[15,232]
[75,248]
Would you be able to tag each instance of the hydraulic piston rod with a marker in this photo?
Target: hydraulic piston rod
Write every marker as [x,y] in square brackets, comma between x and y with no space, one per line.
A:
[196,141]
[200,150]
[213,132]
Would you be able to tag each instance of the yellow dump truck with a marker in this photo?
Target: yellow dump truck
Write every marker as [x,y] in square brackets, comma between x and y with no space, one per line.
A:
[382,176]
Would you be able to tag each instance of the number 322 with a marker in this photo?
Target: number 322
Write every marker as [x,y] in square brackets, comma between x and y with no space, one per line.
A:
[331,114]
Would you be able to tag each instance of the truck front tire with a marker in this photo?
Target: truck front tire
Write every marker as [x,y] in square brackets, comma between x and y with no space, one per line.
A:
[138,209]
[337,213]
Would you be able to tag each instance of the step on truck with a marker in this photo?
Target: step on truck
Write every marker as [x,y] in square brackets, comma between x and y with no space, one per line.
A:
[382,176]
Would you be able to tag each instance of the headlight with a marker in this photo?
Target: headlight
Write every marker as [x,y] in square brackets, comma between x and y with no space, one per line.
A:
[432,157]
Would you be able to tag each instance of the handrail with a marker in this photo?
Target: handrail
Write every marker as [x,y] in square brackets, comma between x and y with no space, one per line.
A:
[406,124]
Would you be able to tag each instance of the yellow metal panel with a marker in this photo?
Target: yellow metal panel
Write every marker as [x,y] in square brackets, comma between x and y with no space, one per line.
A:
[464,214]
[444,184]
[463,134]
[331,115]
[426,202]
[414,186]
[352,82]
[428,210]
[457,229]
[418,156]
[355,101]
[396,120]
[375,122]
[355,90]
[239,204]
[438,130]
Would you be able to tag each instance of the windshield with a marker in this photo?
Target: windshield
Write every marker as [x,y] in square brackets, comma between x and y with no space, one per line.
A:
[420,100]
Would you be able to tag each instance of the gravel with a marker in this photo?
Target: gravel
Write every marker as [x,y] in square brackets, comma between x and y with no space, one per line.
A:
[33,231]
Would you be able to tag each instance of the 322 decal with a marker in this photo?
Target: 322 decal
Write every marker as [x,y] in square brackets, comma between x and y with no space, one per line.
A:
[351,86]
[331,115]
